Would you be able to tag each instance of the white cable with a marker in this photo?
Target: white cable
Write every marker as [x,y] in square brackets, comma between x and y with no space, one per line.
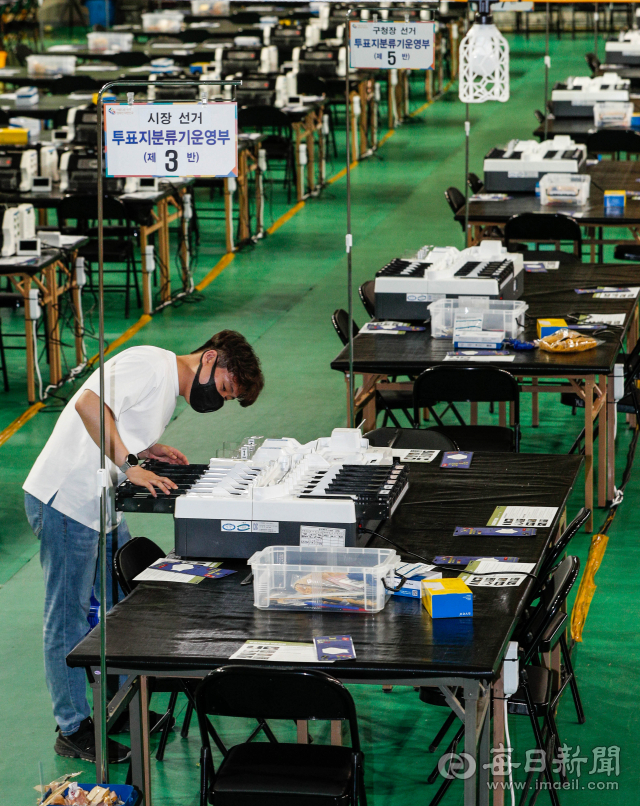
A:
[35,358]
[508,738]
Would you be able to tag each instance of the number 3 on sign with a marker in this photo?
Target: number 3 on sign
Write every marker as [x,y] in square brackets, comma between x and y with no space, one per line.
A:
[172,161]
[165,139]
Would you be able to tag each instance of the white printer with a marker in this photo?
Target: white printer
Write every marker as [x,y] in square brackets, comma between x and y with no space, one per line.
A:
[576,98]
[522,163]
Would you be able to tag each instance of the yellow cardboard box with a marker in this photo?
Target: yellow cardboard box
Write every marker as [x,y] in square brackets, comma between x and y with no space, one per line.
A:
[548,326]
[447,598]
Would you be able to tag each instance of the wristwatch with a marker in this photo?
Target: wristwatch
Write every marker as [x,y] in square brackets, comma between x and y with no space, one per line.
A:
[130,461]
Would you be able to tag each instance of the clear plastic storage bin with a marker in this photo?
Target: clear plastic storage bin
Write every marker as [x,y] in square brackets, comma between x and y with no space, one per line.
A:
[98,41]
[613,114]
[162,22]
[209,8]
[565,189]
[321,578]
[40,64]
[497,314]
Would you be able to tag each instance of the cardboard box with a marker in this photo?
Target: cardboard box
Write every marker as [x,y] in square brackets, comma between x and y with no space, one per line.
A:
[548,326]
[447,598]
[615,198]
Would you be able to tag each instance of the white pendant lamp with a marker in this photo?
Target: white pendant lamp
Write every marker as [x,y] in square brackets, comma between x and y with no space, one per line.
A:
[484,61]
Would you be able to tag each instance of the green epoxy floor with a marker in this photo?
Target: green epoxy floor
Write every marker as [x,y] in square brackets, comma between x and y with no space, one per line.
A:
[281,294]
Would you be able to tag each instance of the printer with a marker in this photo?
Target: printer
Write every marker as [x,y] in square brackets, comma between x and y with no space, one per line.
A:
[18,167]
[257,90]
[625,49]
[576,97]
[79,173]
[19,231]
[404,289]
[279,492]
[255,59]
[521,164]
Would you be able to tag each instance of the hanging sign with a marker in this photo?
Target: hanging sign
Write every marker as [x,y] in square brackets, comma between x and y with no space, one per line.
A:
[171,139]
[387,45]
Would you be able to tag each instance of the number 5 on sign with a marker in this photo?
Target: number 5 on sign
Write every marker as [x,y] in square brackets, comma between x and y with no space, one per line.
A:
[165,139]
[386,45]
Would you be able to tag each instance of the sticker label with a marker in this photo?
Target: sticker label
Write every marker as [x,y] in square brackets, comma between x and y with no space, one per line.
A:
[522,174]
[322,536]
[270,527]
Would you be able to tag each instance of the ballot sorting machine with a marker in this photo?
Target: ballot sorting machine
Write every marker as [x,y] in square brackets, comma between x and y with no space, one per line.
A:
[519,166]
[276,492]
[405,288]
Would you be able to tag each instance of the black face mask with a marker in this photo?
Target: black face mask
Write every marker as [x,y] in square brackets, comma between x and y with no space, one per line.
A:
[204,397]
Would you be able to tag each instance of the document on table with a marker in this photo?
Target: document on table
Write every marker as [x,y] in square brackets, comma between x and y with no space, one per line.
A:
[616,319]
[282,651]
[170,570]
[490,356]
[416,455]
[492,574]
[523,516]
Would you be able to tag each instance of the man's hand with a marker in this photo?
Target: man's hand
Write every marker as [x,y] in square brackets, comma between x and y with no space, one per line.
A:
[163,453]
[145,478]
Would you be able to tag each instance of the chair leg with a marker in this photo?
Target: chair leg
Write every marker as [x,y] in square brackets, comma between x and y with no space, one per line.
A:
[164,736]
[187,720]
[433,777]
[540,744]
[566,659]
[442,732]
[204,776]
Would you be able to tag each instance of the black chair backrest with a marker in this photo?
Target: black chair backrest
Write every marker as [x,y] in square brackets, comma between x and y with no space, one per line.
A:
[475,183]
[22,51]
[539,227]
[129,58]
[455,199]
[593,61]
[340,320]
[264,118]
[421,438]
[457,384]
[613,141]
[132,558]
[367,297]
[554,594]
[85,208]
[560,546]
[247,691]
[308,84]
[539,115]
[68,84]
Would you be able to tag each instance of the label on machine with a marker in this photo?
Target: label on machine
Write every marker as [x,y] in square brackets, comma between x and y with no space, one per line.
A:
[321,536]
[269,527]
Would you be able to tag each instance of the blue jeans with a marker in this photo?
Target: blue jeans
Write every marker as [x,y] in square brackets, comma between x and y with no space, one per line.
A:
[69,559]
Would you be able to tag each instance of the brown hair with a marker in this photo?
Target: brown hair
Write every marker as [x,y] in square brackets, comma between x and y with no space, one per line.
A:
[236,355]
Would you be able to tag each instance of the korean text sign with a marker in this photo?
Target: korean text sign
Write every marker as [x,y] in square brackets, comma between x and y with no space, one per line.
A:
[171,139]
[387,45]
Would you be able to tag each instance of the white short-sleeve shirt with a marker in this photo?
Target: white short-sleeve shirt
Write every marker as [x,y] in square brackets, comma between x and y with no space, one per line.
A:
[141,389]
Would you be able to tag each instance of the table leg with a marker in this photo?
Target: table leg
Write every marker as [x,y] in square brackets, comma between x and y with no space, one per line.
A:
[135,737]
[311,156]
[144,736]
[244,229]
[97,717]
[52,319]
[228,215]
[298,167]
[484,761]
[588,448]
[502,414]
[498,735]
[471,692]
[336,733]
[29,344]
[603,380]
[535,401]
[611,440]
[76,299]
[302,732]
[147,273]
[163,248]
[473,416]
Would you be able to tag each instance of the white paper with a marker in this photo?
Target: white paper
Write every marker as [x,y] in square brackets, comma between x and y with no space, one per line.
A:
[489,359]
[630,293]
[388,45]
[495,574]
[322,536]
[415,455]
[549,265]
[152,574]
[171,139]
[411,570]
[96,68]
[62,49]
[382,329]
[276,651]
[604,319]
[524,516]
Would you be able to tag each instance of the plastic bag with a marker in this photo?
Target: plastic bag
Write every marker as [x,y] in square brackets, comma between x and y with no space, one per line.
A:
[568,341]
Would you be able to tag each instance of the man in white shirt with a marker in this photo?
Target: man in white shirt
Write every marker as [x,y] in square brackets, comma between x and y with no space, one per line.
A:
[142,385]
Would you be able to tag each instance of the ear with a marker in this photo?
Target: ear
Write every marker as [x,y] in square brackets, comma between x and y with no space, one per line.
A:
[209,357]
